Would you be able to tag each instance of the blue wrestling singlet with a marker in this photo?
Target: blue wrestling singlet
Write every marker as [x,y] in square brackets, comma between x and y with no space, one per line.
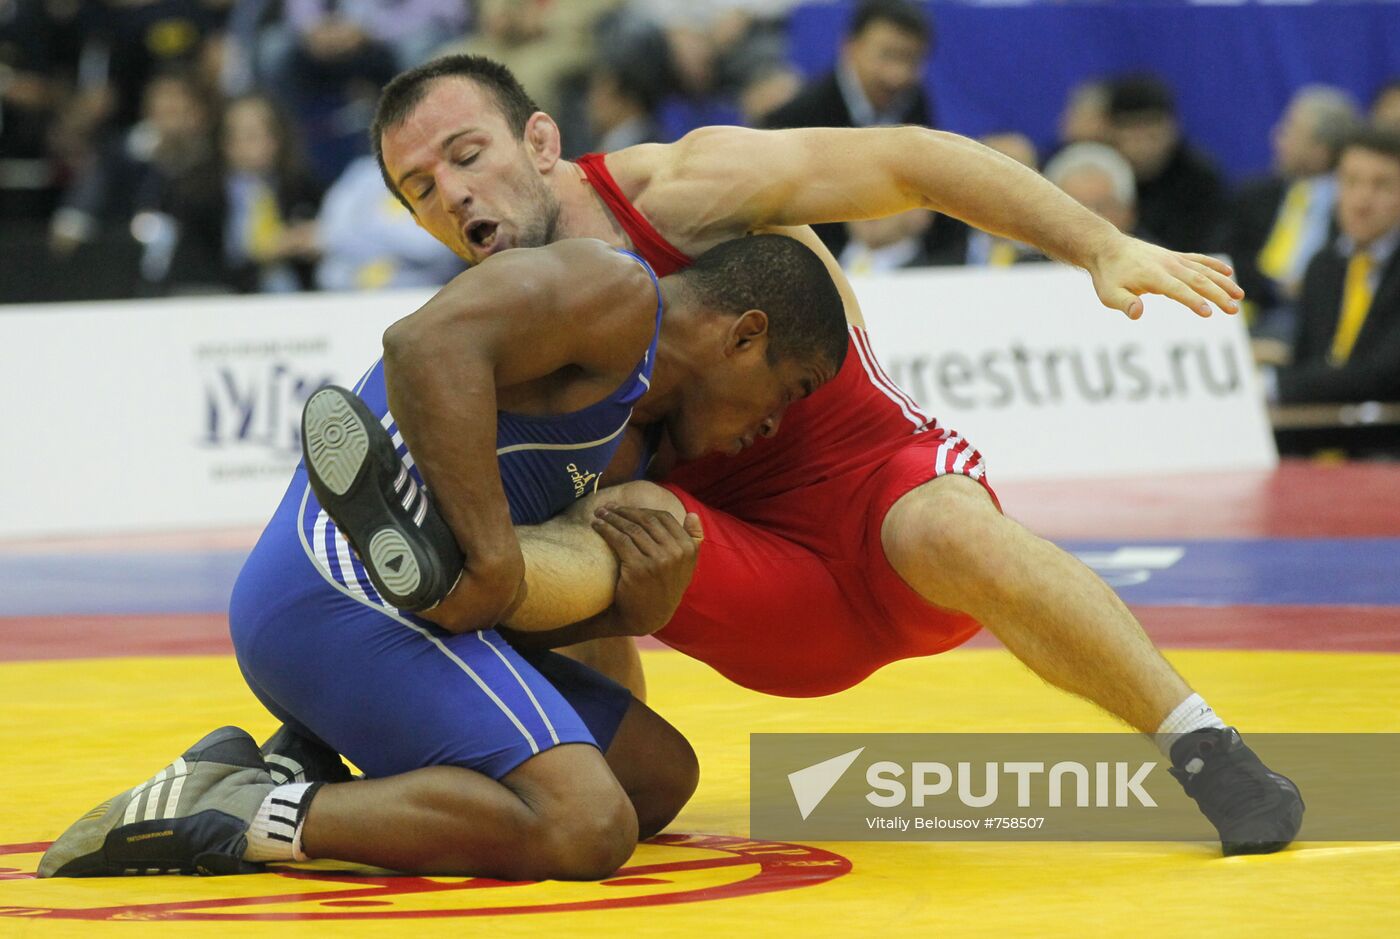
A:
[389,690]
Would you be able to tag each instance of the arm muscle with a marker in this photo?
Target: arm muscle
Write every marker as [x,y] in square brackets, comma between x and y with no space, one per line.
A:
[520,316]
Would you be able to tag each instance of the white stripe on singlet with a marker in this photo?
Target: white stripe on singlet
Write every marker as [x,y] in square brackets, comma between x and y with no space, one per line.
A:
[317,558]
[915,417]
[336,557]
[956,456]
[406,458]
[517,447]
[553,735]
[345,560]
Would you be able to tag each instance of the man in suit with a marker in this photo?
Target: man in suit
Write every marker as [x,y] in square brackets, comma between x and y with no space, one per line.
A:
[1181,197]
[1348,345]
[878,81]
[1277,224]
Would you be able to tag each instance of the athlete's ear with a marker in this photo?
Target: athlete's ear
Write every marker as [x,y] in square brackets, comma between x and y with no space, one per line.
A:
[542,135]
[748,332]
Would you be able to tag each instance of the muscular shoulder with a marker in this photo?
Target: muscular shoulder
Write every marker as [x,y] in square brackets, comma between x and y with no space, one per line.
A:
[567,274]
[577,302]
[607,297]
[572,256]
[700,190]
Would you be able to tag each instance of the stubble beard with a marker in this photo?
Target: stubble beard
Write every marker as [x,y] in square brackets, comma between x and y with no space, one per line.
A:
[544,224]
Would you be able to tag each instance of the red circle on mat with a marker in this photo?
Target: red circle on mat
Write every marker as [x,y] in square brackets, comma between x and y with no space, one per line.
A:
[777,866]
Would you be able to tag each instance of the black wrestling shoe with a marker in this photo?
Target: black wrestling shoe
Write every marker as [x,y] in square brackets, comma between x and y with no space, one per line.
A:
[410,554]
[1256,810]
[190,818]
[292,758]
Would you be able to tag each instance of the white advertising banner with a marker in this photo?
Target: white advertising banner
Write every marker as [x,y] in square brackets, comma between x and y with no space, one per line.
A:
[183,414]
[169,414]
[1047,383]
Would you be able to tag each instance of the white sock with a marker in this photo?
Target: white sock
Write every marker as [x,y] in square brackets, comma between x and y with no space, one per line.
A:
[275,834]
[1191,714]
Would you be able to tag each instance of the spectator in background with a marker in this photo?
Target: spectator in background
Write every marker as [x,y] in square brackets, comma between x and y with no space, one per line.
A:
[369,241]
[270,200]
[877,80]
[544,43]
[331,57]
[621,108]
[1085,117]
[1181,197]
[1385,109]
[1348,344]
[30,93]
[1277,224]
[131,41]
[407,29]
[887,244]
[1015,145]
[770,87]
[170,147]
[85,100]
[717,47]
[1100,179]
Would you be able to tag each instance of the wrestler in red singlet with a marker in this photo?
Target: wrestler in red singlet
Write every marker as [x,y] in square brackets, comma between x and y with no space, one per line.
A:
[793,594]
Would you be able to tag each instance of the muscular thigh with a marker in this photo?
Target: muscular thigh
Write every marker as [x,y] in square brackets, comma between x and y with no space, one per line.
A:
[942,534]
[817,563]
[391,692]
[927,511]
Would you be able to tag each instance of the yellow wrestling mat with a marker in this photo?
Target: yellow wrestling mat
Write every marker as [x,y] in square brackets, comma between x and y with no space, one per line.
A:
[73,733]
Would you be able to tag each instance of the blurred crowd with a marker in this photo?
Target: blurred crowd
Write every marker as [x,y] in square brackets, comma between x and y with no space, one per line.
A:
[196,146]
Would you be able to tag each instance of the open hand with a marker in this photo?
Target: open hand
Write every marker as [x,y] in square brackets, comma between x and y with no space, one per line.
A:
[1128,268]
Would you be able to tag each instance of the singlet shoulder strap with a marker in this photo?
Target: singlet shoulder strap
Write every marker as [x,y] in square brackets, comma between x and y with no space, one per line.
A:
[660,307]
[660,254]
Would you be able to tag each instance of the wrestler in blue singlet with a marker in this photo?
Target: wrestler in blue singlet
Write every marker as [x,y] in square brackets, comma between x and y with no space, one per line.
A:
[393,692]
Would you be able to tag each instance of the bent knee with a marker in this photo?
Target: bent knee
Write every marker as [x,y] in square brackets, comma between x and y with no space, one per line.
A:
[950,514]
[589,842]
[674,782]
[638,493]
[944,533]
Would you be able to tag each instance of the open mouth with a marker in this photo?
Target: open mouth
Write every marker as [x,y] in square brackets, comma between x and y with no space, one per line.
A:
[482,234]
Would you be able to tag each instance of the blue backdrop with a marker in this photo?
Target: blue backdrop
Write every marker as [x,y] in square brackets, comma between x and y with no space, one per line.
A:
[1010,67]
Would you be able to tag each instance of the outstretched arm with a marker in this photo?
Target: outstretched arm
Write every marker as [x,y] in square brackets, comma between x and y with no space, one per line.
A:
[749,179]
[518,316]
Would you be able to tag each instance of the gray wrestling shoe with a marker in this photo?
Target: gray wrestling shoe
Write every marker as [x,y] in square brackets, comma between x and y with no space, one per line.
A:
[292,758]
[190,818]
[1255,810]
[410,554]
